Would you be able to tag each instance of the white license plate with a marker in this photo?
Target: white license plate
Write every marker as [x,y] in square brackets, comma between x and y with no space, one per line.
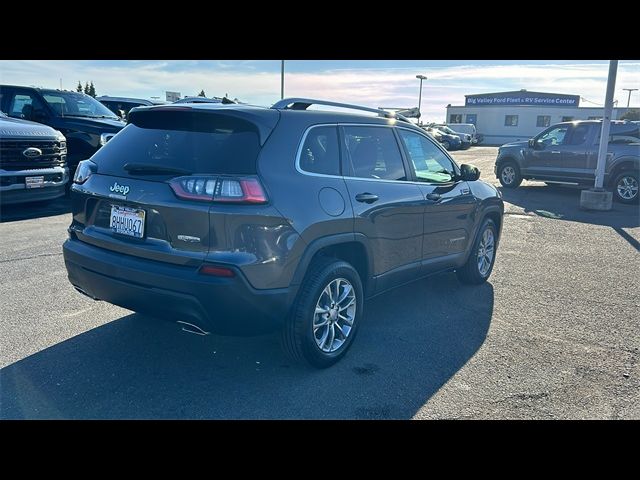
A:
[127,221]
[34,182]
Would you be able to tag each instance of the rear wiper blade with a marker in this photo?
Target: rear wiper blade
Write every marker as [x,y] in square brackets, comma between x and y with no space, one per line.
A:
[151,168]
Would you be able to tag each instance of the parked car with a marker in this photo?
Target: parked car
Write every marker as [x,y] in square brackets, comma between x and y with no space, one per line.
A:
[32,162]
[85,122]
[448,141]
[568,152]
[467,128]
[242,219]
[121,105]
[465,138]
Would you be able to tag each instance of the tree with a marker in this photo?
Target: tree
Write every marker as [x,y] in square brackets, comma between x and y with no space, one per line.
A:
[79,87]
[631,114]
[92,90]
[201,94]
[86,88]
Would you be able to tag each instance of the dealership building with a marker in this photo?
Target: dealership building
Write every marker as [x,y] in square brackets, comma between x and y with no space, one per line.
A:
[511,116]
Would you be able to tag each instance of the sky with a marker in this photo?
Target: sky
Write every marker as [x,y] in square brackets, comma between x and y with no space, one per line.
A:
[374,83]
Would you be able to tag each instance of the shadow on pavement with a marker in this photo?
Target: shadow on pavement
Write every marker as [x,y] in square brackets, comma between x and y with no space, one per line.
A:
[27,211]
[563,203]
[138,367]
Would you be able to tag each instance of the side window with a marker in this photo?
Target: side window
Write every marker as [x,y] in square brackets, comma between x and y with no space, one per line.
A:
[543,121]
[24,106]
[578,135]
[555,136]
[511,120]
[429,162]
[320,152]
[372,152]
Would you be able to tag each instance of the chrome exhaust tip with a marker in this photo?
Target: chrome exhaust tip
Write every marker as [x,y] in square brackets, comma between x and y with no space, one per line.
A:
[191,328]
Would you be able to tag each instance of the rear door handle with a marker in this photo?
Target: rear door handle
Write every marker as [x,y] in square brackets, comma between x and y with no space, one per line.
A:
[433,196]
[555,151]
[367,197]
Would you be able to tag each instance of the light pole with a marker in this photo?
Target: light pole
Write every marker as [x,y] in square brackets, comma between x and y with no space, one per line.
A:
[282,80]
[629,97]
[598,198]
[421,78]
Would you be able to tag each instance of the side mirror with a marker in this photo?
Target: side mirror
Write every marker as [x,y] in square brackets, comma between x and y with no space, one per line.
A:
[532,143]
[469,173]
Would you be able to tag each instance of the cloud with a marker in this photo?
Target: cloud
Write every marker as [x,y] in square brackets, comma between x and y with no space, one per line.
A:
[258,82]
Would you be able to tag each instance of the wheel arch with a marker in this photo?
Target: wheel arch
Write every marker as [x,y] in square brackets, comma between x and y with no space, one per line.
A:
[507,158]
[351,247]
[625,163]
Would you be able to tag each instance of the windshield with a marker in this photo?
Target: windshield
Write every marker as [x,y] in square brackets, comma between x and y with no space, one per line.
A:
[77,105]
[447,130]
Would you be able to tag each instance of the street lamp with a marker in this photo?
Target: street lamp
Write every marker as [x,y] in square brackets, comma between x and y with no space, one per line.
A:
[421,78]
[629,97]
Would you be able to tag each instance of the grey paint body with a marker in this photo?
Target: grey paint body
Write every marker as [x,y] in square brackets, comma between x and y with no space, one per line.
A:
[403,235]
[571,163]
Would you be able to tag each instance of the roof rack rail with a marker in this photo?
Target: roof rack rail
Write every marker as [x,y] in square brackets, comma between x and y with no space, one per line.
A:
[304,103]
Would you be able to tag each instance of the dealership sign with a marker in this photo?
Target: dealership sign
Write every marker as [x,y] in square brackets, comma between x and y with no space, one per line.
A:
[522,98]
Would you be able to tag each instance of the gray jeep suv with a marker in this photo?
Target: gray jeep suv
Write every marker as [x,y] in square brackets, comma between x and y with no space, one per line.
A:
[240,219]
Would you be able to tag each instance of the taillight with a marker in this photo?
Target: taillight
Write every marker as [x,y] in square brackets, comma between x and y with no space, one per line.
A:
[85,169]
[216,271]
[194,188]
[221,189]
[239,190]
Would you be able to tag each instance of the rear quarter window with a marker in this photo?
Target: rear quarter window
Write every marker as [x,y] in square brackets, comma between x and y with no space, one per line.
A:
[204,143]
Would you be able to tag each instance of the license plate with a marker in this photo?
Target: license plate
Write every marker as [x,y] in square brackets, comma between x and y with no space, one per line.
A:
[127,221]
[34,182]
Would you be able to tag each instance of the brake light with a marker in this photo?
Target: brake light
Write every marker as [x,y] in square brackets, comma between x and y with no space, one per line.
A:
[217,271]
[222,189]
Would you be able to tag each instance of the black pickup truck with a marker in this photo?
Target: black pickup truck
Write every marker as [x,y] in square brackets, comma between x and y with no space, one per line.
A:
[568,153]
[85,122]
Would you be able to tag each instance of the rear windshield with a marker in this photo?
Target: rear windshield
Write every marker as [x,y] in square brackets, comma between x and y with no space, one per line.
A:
[194,142]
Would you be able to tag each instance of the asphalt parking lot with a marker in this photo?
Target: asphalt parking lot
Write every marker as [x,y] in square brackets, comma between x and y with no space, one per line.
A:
[555,333]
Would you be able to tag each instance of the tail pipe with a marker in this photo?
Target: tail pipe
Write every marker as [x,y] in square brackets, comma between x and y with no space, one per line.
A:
[191,328]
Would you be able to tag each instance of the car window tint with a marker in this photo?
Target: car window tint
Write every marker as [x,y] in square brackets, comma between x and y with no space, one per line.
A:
[555,136]
[578,135]
[203,143]
[320,152]
[429,162]
[373,153]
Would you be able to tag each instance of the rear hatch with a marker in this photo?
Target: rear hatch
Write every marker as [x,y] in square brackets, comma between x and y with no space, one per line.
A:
[154,183]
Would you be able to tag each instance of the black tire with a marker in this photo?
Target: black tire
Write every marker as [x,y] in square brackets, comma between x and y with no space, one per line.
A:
[620,188]
[470,273]
[446,145]
[298,339]
[509,181]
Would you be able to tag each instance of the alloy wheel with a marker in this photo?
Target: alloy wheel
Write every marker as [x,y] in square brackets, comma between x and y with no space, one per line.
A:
[486,251]
[508,175]
[334,315]
[627,187]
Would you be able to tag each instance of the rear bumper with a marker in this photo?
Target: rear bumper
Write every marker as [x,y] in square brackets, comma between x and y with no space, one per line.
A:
[222,305]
